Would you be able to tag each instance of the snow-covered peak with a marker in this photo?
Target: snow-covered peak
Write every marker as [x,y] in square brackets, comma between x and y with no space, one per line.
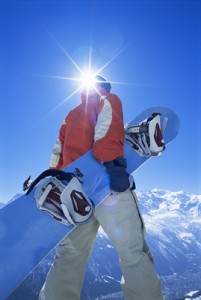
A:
[165,200]
[195,295]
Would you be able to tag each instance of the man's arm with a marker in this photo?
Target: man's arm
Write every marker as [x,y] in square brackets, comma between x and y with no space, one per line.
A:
[109,130]
[56,158]
[109,142]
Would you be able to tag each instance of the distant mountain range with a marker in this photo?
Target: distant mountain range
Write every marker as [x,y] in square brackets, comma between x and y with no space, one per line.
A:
[173,221]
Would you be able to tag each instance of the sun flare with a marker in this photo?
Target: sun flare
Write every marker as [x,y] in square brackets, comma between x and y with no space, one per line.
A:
[88,80]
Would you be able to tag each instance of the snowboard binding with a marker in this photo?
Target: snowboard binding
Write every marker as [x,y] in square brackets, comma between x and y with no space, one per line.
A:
[147,137]
[61,195]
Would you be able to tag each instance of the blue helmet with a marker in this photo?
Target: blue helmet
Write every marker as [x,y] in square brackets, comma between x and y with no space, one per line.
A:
[102,82]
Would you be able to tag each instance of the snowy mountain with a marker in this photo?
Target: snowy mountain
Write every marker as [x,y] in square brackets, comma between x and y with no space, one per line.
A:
[196,295]
[173,221]
[173,225]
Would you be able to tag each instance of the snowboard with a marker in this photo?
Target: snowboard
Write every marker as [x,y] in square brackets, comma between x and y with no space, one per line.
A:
[28,235]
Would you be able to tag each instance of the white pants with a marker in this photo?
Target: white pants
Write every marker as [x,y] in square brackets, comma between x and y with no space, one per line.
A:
[120,218]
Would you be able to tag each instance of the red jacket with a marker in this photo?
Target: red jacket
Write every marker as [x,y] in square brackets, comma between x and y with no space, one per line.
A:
[97,124]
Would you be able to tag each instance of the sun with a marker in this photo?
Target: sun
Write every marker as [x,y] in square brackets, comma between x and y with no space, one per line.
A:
[88,80]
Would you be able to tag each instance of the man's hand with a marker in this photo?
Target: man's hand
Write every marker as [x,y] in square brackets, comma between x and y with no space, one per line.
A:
[119,178]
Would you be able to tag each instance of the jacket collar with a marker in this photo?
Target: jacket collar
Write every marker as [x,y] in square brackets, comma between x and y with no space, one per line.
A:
[91,101]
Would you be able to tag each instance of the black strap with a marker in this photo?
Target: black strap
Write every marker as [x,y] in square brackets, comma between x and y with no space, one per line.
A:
[61,175]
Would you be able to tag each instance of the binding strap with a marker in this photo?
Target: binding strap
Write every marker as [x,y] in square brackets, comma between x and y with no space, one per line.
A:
[61,175]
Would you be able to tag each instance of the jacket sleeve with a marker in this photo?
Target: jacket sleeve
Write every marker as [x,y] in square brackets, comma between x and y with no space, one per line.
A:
[56,159]
[109,130]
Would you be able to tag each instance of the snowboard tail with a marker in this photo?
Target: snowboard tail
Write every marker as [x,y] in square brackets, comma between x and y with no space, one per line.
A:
[28,235]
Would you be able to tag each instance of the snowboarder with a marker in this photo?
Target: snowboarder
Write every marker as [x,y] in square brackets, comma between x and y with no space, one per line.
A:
[97,124]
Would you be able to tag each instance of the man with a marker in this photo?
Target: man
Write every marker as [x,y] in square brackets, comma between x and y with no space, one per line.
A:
[97,124]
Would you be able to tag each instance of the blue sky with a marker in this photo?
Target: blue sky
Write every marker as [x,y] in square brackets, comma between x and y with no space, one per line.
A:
[154,46]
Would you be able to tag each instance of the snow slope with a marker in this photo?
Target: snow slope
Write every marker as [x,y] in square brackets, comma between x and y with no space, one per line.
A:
[173,221]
